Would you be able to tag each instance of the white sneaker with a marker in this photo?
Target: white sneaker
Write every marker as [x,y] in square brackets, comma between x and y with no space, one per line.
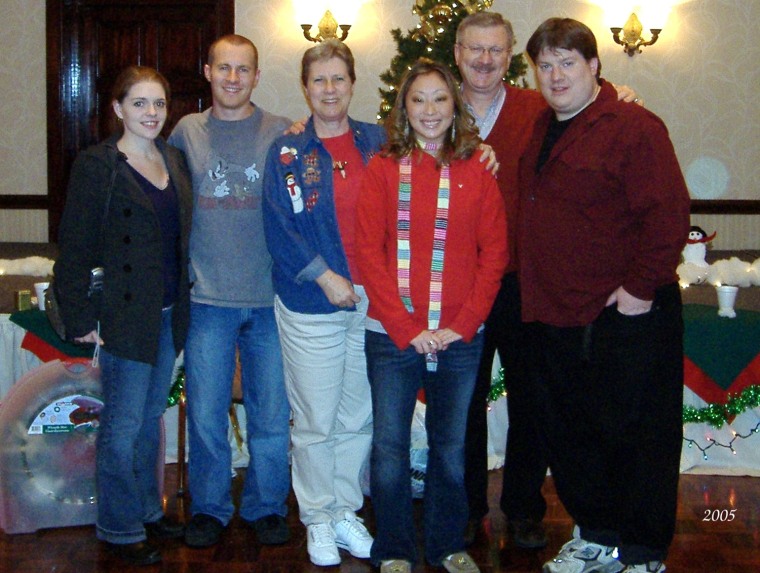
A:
[350,534]
[320,543]
[581,556]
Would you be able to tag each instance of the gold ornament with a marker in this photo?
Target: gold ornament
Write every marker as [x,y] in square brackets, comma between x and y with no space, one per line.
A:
[425,31]
[473,6]
[441,13]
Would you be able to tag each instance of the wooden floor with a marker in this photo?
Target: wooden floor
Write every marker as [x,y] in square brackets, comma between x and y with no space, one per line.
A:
[701,545]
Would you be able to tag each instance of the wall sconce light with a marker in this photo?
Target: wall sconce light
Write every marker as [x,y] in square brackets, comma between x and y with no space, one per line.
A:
[632,41]
[328,28]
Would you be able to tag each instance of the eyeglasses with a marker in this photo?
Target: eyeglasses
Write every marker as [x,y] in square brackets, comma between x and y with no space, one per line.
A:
[493,51]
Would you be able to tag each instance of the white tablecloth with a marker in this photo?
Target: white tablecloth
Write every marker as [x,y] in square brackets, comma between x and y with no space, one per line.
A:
[14,360]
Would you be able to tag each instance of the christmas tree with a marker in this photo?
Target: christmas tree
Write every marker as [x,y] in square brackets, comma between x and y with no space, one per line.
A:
[434,38]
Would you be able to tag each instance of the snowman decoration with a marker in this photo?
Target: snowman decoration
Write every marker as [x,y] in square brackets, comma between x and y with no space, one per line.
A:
[294,191]
[696,247]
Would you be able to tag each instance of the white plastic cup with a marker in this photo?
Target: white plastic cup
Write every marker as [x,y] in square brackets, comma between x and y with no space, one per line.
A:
[726,300]
[40,289]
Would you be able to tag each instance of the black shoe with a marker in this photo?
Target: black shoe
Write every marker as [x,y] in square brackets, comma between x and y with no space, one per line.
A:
[203,531]
[271,529]
[164,528]
[140,553]
[528,533]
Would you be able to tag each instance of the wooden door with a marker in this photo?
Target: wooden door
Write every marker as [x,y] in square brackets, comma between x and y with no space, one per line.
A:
[88,44]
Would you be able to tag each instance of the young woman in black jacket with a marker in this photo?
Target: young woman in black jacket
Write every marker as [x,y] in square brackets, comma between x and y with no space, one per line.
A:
[128,212]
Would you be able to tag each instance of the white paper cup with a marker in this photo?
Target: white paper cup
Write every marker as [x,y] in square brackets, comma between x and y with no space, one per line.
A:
[40,289]
[726,300]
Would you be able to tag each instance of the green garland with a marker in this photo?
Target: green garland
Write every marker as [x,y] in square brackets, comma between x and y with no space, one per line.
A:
[717,414]
[714,414]
[498,388]
[175,394]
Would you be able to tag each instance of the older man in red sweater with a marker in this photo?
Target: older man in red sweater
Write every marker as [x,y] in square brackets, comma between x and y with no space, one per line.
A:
[505,115]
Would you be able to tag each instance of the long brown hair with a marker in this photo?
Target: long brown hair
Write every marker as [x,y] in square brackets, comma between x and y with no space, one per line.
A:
[401,140]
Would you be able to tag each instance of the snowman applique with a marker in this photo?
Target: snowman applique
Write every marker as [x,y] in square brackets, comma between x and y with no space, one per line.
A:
[696,247]
[294,191]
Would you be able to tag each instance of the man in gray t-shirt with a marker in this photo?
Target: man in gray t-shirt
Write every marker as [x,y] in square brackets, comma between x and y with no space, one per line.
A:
[232,305]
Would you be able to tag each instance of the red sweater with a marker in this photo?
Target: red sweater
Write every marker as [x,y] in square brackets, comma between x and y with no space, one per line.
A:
[609,208]
[509,138]
[475,252]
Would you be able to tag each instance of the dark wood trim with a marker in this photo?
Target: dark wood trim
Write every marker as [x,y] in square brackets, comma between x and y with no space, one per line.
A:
[725,207]
[73,68]
[24,202]
[55,89]
[698,207]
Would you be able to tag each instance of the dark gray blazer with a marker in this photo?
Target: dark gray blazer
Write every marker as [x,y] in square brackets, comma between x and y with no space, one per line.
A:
[129,248]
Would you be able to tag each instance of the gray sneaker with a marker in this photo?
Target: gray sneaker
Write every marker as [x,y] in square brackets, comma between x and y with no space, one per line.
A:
[460,563]
[581,556]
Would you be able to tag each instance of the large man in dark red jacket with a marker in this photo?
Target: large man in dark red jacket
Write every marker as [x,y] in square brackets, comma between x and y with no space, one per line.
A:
[603,217]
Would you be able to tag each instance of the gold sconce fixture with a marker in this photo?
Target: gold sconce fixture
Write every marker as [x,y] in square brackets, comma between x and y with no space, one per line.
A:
[632,40]
[328,28]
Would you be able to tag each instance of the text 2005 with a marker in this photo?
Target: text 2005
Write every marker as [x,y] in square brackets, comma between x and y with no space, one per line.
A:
[719,515]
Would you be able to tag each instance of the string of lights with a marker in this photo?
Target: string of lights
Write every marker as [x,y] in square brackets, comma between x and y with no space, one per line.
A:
[713,443]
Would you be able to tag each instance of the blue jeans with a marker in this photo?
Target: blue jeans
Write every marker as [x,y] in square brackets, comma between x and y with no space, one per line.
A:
[395,376]
[215,332]
[134,399]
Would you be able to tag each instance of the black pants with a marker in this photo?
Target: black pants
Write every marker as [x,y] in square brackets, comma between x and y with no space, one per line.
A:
[525,464]
[611,395]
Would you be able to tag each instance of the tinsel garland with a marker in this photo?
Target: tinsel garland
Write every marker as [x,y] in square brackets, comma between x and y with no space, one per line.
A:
[718,414]
[175,394]
[498,388]
[714,414]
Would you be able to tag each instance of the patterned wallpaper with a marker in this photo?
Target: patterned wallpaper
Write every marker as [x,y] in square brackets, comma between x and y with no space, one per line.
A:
[701,77]
[23,122]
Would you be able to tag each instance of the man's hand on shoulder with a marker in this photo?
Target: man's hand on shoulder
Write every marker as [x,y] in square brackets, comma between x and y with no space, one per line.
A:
[488,155]
[628,95]
[297,127]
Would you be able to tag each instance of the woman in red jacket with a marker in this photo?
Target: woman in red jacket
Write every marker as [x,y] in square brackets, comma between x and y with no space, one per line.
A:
[431,244]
